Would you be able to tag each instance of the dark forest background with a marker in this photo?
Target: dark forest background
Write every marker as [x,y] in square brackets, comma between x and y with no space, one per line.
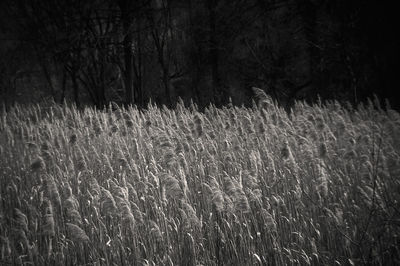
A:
[94,52]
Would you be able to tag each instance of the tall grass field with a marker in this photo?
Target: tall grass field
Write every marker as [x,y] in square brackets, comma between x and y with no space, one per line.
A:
[229,186]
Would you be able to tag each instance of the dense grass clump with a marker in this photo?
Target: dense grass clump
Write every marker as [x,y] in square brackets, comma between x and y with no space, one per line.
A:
[230,186]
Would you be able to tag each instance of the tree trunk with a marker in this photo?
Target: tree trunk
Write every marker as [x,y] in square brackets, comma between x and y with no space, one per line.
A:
[75,86]
[167,86]
[159,34]
[164,65]
[48,78]
[309,17]
[63,86]
[195,73]
[139,81]
[128,69]
[214,51]
[102,87]
[128,53]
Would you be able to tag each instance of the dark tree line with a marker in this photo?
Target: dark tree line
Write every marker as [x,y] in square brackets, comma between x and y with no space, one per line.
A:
[206,50]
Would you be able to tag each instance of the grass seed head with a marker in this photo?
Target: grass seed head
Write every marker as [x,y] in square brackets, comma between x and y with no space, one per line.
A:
[242,203]
[21,220]
[48,226]
[76,233]
[155,231]
[172,187]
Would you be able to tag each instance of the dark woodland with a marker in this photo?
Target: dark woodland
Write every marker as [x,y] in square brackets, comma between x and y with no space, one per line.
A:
[210,51]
